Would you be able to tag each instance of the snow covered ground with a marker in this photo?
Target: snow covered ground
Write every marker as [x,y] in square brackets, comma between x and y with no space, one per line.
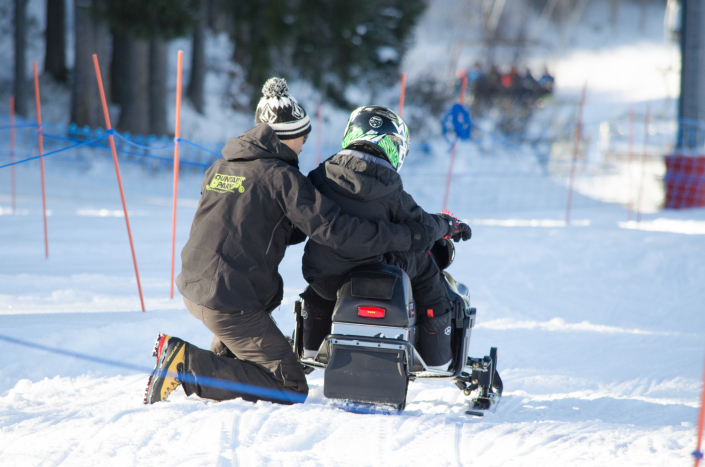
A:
[600,324]
[599,327]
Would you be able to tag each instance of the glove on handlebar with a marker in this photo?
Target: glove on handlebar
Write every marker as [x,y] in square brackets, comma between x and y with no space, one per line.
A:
[463,232]
[458,230]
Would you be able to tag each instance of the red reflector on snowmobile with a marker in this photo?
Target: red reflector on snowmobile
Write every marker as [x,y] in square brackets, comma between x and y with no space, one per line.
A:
[370,312]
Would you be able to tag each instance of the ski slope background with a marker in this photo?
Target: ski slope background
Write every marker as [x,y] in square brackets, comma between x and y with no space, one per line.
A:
[600,324]
[599,327]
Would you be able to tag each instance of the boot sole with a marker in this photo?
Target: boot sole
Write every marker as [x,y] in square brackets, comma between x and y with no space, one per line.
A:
[165,369]
[156,352]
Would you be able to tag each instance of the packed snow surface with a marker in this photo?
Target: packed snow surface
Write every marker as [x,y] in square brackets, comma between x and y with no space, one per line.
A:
[599,323]
[599,326]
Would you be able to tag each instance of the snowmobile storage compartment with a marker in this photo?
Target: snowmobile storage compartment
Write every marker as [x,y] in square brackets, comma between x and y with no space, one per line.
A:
[375,285]
[368,374]
[387,288]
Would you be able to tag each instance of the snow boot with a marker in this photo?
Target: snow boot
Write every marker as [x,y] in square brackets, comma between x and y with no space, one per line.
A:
[166,376]
[434,337]
[317,315]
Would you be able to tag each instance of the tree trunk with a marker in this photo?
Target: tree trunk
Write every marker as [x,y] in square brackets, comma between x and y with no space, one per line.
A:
[157,86]
[614,12]
[134,116]
[55,50]
[83,75]
[198,61]
[20,87]
[102,45]
[91,37]
[118,67]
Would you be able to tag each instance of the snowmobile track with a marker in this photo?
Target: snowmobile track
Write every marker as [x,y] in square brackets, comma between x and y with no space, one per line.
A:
[234,437]
[457,438]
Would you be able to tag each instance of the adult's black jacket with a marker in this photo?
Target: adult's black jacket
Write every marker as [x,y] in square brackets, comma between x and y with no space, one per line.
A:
[252,201]
[366,189]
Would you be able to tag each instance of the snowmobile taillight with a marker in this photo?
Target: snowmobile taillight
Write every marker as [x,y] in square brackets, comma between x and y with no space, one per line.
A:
[370,312]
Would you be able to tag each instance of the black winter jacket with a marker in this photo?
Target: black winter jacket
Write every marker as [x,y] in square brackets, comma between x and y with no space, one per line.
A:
[364,189]
[251,202]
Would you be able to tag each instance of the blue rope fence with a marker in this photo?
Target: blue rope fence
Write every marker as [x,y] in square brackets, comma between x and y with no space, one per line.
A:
[537,181]
[9,127]
[53,152]
[197,146]
[481,191]
[242,388]
[95,143]
[142,146]
[131,153]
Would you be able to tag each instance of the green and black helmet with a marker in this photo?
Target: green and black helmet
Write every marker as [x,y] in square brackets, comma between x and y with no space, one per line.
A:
[379,131]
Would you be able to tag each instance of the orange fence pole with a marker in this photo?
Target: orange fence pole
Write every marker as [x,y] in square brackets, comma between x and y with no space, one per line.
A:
[629,164]
[643,164]
[463,86]
[319,133]
[41,160]
[117,172]
[698,454]
[12,154]
[575,154]
[177,133]
[401,96]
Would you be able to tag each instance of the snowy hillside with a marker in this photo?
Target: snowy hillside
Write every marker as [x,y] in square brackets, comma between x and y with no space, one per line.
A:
[599,330]
[599,325]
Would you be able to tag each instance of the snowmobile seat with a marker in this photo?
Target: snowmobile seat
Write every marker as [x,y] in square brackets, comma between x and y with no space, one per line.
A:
[385,288]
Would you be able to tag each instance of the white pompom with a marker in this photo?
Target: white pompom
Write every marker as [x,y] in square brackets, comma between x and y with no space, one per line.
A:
[275,87]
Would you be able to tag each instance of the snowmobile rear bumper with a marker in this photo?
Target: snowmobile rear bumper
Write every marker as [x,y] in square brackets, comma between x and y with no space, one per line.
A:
[367,370]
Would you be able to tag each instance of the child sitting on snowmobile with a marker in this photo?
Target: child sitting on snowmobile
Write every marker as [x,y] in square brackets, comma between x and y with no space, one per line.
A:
[363,180]
[254,202]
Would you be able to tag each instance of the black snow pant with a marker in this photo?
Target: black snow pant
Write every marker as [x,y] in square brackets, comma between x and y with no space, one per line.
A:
[248,348]
[432,304]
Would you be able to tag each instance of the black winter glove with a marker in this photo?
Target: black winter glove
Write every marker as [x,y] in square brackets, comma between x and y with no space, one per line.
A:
[457,230]
[421,238]
[462,232]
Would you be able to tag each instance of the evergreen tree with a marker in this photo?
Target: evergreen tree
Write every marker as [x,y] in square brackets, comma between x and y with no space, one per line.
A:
[92,37]
[198,60]
[21,89]
[55,40]
[329,43]
[141,29]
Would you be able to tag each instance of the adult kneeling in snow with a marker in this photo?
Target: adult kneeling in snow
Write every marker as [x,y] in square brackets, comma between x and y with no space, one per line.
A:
[254,202]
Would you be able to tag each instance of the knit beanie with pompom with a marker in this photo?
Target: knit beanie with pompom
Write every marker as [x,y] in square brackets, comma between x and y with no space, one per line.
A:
[281,111]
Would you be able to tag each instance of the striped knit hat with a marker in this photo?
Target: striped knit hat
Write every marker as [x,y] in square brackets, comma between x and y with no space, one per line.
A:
[281,111]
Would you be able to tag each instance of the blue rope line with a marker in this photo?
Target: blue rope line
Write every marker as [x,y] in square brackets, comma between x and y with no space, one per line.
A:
[149,148]
[52,152]
[9,127]
[61,138]
[167,159]
[130,153]
[197,146]
[243,388]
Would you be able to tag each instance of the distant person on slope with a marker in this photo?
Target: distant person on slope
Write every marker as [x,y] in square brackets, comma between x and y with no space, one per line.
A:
[363,180]
[254,202]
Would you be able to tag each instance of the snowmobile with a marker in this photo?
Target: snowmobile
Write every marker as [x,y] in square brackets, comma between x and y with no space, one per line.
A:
[371,354]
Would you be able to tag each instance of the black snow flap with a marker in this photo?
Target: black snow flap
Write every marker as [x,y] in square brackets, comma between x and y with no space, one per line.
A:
[366,375]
